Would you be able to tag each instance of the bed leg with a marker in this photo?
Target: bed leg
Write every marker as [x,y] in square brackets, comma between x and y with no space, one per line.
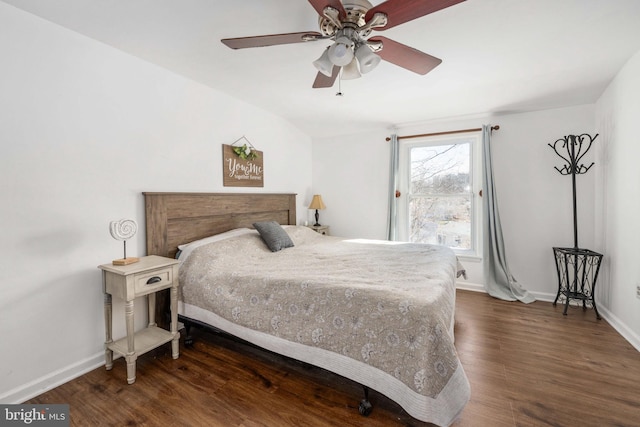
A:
[365,406]
[188,339]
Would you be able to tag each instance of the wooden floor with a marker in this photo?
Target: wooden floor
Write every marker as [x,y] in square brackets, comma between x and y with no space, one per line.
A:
[528,365]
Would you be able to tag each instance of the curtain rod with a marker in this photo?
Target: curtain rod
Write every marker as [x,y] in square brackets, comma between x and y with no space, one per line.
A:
[496,127]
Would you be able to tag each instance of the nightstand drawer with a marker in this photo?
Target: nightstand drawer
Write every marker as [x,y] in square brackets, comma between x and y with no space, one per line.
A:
[151,281]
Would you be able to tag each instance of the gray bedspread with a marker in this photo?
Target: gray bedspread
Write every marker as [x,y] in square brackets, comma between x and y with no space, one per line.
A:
[378,312]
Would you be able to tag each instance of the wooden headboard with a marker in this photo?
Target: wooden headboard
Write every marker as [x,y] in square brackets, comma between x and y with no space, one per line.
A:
[176,218]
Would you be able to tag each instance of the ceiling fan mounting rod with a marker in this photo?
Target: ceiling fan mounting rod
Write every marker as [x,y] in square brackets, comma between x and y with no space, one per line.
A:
[349,31]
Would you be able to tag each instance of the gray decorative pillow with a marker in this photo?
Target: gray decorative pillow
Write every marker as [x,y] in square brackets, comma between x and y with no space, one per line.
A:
[273,235]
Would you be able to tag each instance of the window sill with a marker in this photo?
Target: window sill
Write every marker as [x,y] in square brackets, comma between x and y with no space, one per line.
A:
[470,258]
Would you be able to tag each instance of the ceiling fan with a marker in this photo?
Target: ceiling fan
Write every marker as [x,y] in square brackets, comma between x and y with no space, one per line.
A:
[349,24]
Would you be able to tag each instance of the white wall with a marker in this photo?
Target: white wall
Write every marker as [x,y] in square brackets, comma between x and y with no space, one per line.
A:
[352,174]
[84,129]
[617,113]
[535,201]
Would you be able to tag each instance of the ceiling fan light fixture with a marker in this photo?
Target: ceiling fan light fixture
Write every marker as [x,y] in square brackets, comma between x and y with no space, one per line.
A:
[340,53]
[324,64]
[367,59]
[348,23]
[350,71]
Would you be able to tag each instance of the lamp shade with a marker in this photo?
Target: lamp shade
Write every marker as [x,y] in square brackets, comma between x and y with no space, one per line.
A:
[316,202]
[350,71]
[367,59]
[340,53]
[324,64]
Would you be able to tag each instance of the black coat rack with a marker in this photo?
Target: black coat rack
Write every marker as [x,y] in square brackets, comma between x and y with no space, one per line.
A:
[572,149]
[577,268]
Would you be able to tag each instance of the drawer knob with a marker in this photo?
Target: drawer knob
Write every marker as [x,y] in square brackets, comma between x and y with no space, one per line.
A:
[154,279]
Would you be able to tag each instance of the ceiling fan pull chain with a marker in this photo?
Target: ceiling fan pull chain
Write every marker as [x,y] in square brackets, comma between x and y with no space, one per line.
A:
[339,83]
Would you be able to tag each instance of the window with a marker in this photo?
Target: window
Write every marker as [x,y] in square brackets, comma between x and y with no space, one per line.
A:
[439,179]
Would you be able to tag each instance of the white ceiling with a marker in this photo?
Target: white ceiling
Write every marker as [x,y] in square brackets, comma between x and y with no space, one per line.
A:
[498,55]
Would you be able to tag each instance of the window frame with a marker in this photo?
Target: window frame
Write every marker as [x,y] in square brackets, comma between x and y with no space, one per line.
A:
[475,175]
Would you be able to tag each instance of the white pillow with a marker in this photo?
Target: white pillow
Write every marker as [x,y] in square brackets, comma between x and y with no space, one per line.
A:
[187,248]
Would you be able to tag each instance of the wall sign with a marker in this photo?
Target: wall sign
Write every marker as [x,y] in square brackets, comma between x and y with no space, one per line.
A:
[242,165]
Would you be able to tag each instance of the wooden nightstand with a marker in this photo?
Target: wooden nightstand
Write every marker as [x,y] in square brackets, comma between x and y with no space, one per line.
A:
[151,274]
[322,229]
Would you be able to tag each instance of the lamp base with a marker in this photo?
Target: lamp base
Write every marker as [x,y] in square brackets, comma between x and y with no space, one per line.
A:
[125,261]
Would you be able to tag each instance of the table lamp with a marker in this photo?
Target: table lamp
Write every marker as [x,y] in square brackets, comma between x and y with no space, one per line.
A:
[316,203]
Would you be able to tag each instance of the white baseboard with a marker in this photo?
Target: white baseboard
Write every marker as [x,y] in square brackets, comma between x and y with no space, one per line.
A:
[468,286]
[622,328]
[52,380]
[544,296]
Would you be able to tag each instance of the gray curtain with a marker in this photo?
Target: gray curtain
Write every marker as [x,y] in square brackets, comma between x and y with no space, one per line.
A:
[498,281]
[392,227]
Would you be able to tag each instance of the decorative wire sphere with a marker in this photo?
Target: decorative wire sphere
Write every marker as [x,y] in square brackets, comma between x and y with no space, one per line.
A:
[123,229]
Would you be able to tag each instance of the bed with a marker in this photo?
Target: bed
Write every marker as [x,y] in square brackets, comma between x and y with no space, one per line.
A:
[379,313]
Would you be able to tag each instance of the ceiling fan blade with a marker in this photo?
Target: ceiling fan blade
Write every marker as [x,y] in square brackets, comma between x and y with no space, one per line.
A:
[272,40]
[326,81]
[401,11]
[405,56]
[320,5]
